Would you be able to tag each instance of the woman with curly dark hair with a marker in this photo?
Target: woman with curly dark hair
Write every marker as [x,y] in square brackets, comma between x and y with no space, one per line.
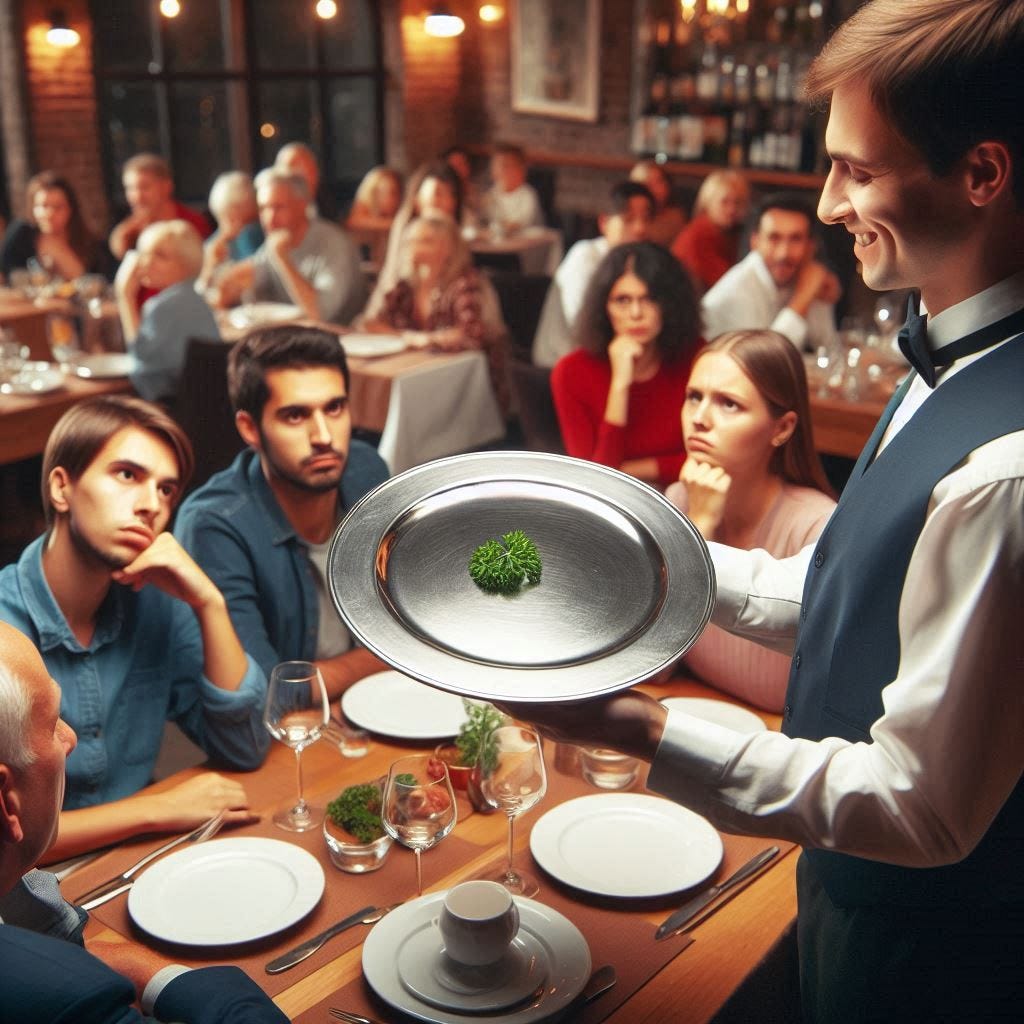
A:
[53,234]
[617,396]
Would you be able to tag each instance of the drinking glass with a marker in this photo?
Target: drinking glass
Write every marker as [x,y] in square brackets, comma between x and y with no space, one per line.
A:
[512,779]
[419,805]
[62,336]
[297,713]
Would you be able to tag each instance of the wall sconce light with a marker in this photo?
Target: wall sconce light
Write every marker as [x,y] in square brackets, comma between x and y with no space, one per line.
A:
[326,9]
[490,14]
[170,8]
[441,23]
[60,33]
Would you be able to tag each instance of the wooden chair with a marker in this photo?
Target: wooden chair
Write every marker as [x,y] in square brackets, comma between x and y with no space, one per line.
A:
[204,410]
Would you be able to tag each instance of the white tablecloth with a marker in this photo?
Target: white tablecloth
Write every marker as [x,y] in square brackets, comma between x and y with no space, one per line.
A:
[539,249]
[440,408]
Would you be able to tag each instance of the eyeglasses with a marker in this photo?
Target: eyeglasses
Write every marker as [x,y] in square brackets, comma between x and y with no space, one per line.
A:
[625,303]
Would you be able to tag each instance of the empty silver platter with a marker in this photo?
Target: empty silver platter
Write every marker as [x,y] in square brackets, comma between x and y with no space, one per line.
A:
[627,583]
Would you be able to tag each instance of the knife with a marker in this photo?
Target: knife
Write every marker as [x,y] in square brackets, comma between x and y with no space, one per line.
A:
[123,882]
[688,911]
[368,915]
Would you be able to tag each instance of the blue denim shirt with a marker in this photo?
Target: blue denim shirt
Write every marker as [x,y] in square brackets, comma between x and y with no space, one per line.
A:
[143,666]
[235,529]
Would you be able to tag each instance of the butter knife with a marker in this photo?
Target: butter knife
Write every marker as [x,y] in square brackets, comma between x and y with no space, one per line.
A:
[678,919]
[123,882]
[368,915]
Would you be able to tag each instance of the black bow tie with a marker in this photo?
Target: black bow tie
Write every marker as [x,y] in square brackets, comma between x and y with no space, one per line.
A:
[913,341]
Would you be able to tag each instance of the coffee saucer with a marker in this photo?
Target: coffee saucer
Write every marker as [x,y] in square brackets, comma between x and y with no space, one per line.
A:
[430,974]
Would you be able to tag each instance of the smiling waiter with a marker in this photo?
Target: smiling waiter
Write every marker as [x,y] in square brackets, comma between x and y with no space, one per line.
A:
[900,768]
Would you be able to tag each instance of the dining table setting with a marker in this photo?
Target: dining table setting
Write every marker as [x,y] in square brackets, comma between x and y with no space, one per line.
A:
[524,880]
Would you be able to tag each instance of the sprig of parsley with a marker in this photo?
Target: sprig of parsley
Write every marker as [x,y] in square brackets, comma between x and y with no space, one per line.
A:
[503,569]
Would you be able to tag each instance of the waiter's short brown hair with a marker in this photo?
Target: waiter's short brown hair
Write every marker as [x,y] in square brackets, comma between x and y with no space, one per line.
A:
[85,428]
[946,74]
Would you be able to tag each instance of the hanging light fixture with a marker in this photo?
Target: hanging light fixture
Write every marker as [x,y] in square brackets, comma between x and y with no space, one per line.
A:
[491,13]
[170,8]
[326,9]
[441,23]
[60,33]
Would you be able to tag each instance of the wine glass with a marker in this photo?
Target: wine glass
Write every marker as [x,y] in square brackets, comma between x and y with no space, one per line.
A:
[512,779]
[297,712]
[419,805]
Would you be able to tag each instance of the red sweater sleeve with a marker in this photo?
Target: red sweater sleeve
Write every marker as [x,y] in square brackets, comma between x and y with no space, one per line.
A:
[705,250]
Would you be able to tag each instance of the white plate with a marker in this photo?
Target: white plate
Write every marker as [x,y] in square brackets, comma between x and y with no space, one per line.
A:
[103,365]
[367,346]
[251,314]
[719,712]
[626,844]
[430,975]
[565,947]
[392,704]
[35,379]
[226,891]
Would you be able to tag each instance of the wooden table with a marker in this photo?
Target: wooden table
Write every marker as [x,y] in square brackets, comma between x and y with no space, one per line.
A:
[691,988]
[26,420]
[842,427]
[26,322]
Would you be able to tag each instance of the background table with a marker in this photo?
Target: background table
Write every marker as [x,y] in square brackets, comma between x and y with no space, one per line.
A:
[537,250]
[691,988]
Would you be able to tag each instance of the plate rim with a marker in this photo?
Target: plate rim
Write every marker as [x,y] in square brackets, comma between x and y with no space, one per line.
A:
[396,344]
[119,358]
[356,541]
[645,800]
[380,932]
[673,702]
[305,899]
[430,734]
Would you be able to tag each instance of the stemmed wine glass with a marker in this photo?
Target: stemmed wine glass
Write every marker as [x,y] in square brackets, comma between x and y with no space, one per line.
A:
[419,805]
[297,712]
[512,779]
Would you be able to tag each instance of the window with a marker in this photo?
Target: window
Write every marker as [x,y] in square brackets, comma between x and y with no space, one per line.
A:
[226,83]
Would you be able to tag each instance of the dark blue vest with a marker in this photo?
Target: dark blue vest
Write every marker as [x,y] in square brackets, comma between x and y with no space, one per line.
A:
[848,646]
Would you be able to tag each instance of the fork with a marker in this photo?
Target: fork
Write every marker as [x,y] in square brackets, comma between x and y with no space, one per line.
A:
[350,1018]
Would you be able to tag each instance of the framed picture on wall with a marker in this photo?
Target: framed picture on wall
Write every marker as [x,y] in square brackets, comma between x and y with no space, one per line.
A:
[555,58]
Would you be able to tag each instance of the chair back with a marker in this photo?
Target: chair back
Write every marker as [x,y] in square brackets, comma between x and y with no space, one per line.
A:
[522,298]
[204,410]
[531,392]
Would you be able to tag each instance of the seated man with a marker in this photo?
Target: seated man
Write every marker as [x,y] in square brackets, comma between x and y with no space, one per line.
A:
[45,974]
[131,628]
[511,204]
[626,217]
[168,260]
[298,158]
[149,191]
[779,284]
[261,528]
[308,262]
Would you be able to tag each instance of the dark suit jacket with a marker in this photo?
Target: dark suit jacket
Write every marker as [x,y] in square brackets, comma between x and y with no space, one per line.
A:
[50,981]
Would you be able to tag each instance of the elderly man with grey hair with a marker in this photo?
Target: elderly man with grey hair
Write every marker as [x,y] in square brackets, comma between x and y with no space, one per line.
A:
[46,974]
[168,259]
[310,263]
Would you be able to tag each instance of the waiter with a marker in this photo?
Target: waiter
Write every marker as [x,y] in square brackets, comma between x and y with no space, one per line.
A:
[900,766]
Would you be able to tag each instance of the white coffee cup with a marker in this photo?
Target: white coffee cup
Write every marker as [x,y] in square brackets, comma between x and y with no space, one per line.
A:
[478,921]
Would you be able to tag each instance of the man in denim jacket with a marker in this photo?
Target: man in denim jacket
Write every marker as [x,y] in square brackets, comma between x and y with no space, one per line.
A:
[261,527]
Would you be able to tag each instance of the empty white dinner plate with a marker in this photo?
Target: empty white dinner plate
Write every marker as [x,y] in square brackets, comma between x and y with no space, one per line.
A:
[369,345]
[226,891]
[718,711]
[566,951]
[104,365]
[392,704]
[626,844]
[251,314]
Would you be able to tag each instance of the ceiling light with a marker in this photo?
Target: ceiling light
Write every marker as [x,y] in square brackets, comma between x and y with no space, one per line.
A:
[491,13]
[60,33]
[170,8]
[440,22]
[326,9]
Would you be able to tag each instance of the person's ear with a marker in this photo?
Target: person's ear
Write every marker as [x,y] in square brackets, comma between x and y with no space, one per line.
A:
[10,821]
[988,170]
[784,427]
[247,429]
[59,485]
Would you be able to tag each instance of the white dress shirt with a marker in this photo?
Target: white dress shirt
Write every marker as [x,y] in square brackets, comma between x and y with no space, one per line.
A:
[949,747]
[556,330]
[520,207]
[746,296]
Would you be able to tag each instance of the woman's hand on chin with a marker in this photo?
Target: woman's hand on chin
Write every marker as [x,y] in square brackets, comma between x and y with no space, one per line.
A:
[623,353]
[707,488]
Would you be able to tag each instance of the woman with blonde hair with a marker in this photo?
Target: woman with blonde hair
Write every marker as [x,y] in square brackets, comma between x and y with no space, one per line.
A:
[376,201]
[751,479]
[709,245]
[440,300]
[232,201]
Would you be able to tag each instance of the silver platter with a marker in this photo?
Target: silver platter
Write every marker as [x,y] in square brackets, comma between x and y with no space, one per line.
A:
[627,583]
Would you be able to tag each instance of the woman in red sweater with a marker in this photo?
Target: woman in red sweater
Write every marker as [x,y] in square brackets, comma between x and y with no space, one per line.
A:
[618,395]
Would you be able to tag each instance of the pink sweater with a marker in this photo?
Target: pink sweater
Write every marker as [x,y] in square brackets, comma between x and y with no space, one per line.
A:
[741,667]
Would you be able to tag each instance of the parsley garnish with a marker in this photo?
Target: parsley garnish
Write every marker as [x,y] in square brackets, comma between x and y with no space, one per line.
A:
[503,569]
